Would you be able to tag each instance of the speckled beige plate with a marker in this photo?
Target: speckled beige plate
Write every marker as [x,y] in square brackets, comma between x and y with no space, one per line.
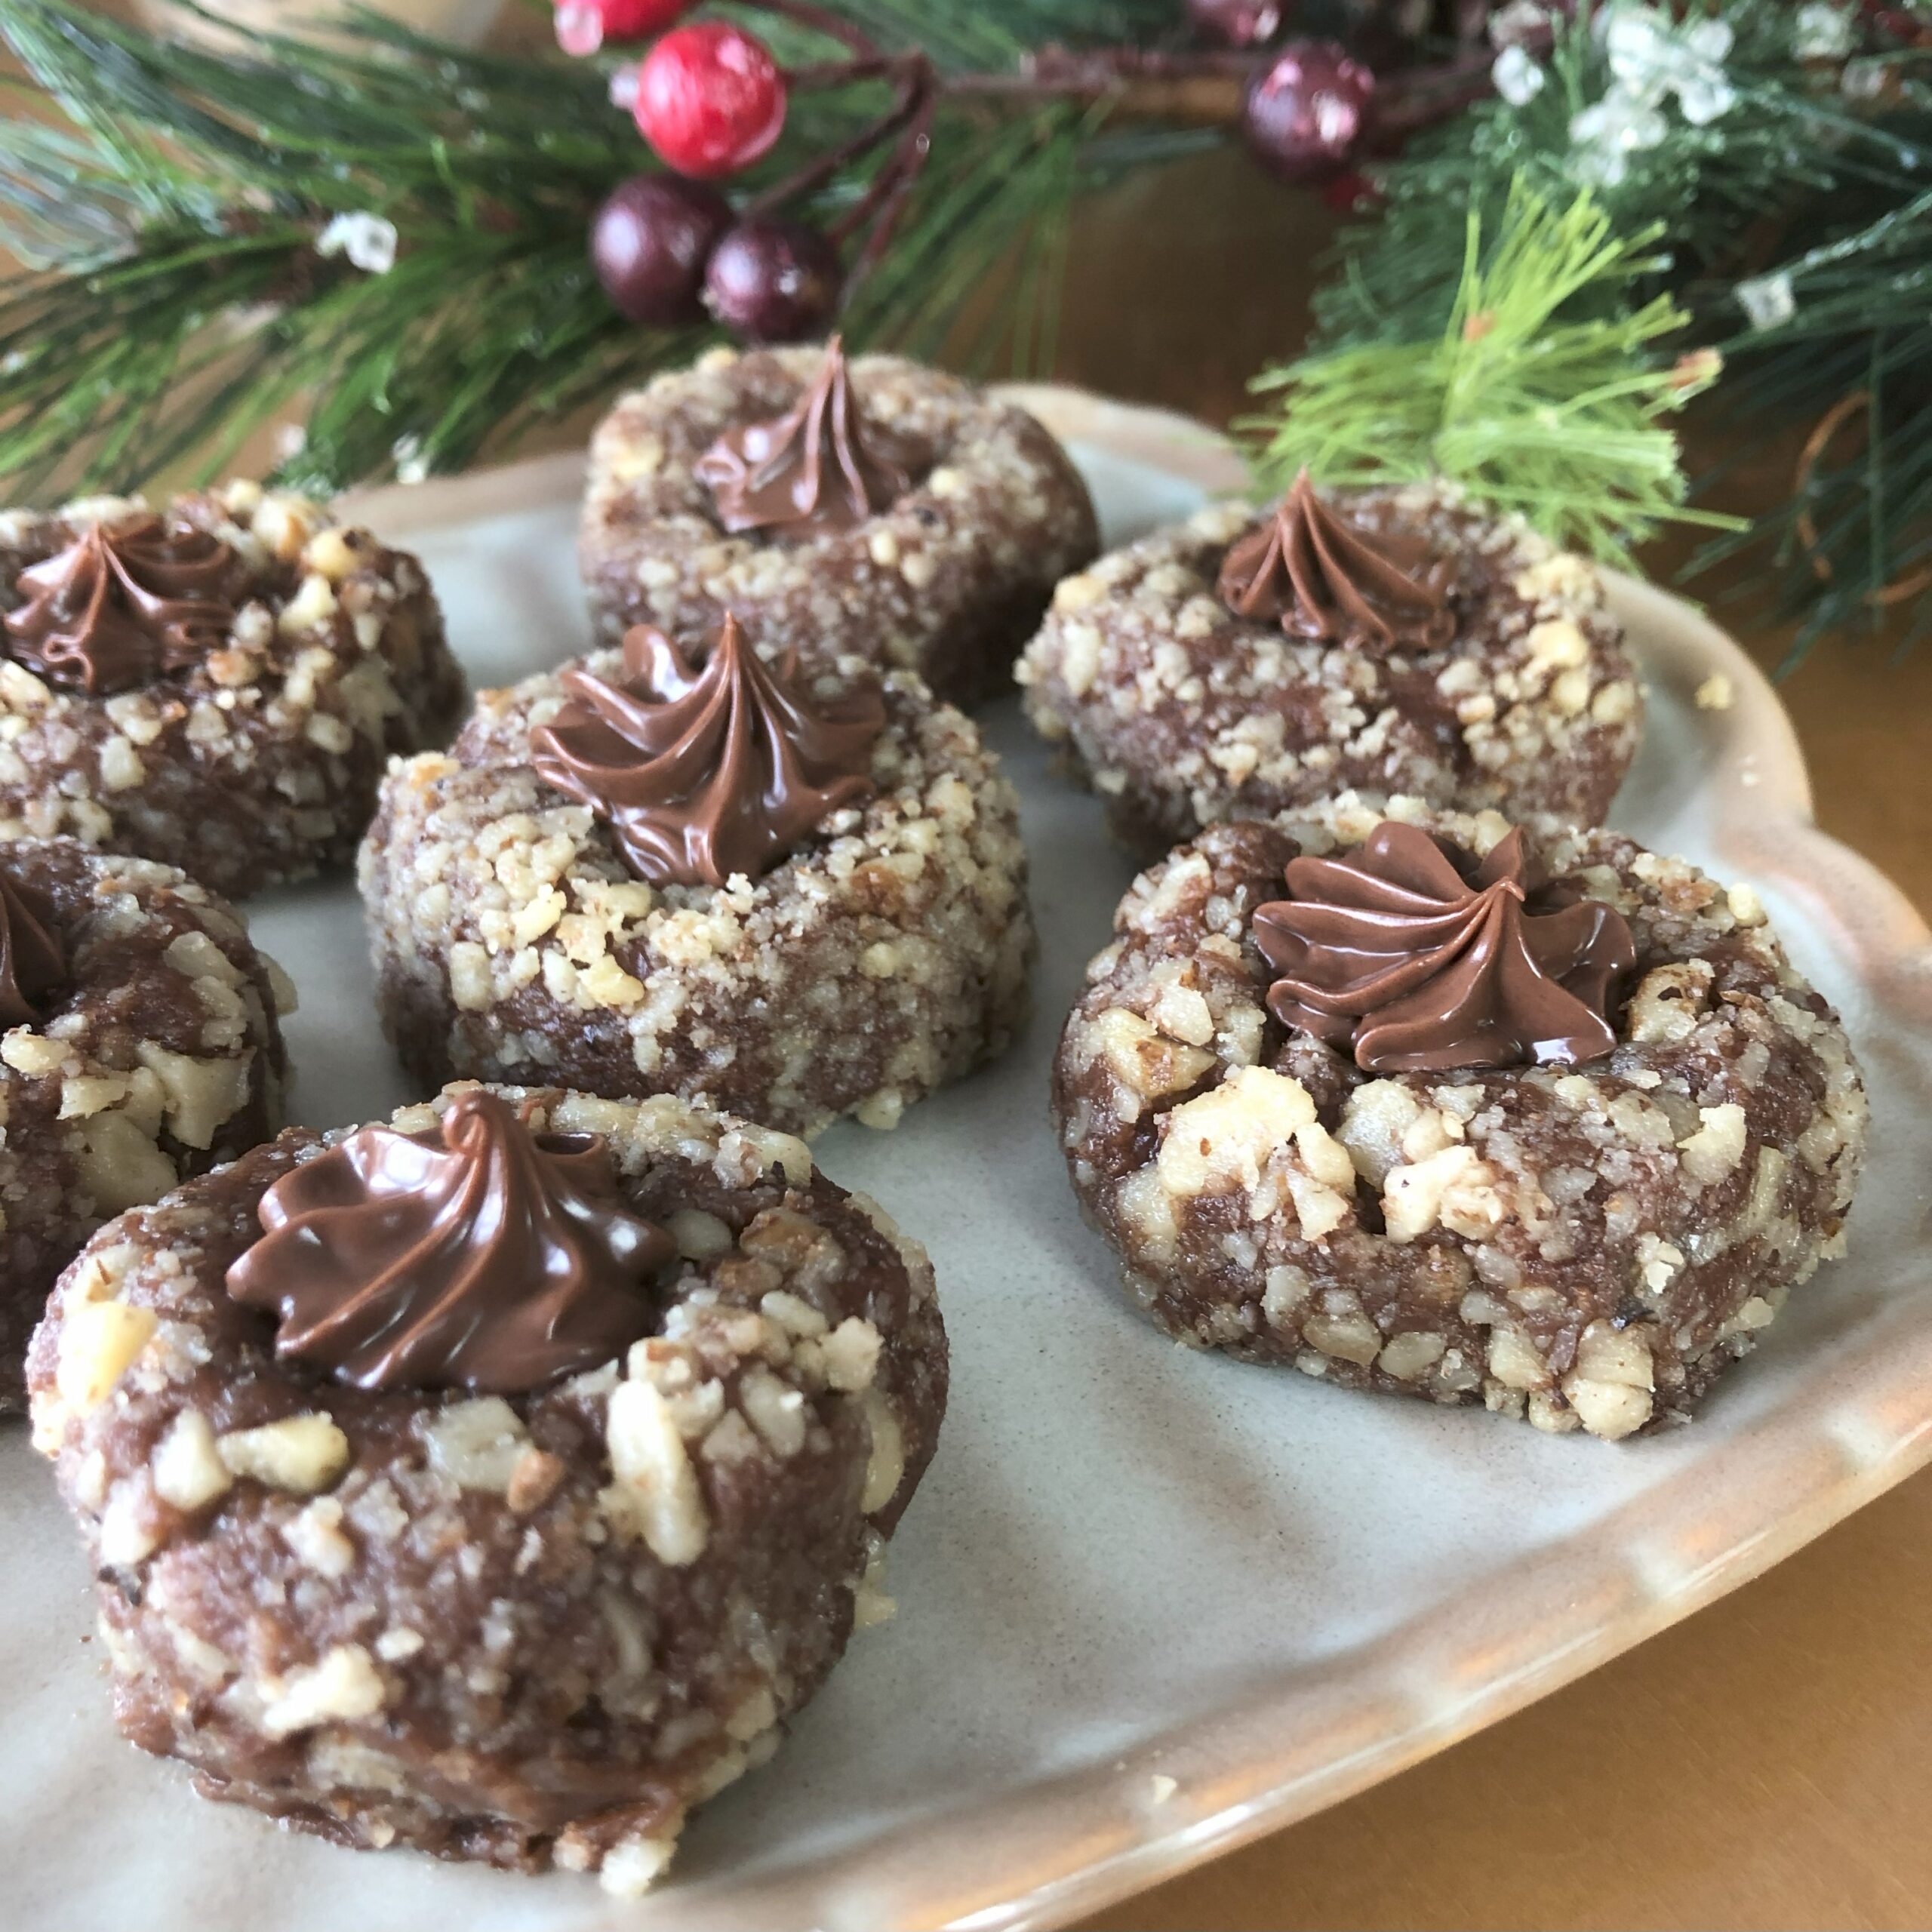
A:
[1152,1604]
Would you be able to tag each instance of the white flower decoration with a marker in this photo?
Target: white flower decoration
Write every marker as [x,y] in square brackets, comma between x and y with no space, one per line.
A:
[1606,136]
[1766,300]
[1651,58]
[367,240]
[1821,32]
[1518,78]
[1864,80]
[1703,88]
[1519,20]
[1636,40]
[411,465]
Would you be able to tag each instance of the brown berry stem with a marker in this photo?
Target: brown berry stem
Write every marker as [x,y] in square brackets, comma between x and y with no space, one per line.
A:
[1207,88]
[914,77]
[1146,77]
[817,20]
[1411,101]
[893,188]
[914,114]
[1201,88]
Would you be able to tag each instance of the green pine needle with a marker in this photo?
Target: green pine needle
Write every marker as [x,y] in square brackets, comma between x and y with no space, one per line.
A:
[175,299]
[1530,400]
[1811,181]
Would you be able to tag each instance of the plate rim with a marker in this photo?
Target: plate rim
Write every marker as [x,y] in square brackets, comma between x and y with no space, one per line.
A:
[1089,1838]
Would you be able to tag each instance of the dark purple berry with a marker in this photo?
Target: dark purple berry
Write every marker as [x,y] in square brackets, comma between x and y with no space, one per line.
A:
[1236,23]
[773,280]
[1306,113]
[650,243]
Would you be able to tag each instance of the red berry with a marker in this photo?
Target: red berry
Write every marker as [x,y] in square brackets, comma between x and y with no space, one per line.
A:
[650,243]
[774,281]
[1237,23]
[710,99]
[584,26]
[1306,113]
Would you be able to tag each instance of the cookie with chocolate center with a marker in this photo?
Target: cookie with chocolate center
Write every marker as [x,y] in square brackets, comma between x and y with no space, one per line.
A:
[495,1480]
[1420,1102]
[880,510]
[141,1047]
[217,685]
[1386,641]
[793,889]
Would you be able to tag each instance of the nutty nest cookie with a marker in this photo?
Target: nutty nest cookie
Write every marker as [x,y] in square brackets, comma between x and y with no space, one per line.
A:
[1181,713]
[888,954]
[256,763]
[529,1631]
[157,1055]
[1583,1245]
[948,581]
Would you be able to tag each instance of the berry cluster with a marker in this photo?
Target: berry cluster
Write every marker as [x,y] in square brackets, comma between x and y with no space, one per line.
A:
[711,101]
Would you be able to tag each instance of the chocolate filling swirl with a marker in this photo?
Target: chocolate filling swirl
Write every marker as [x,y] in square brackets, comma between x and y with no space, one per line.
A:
[1423,959]
[820,467]
[1324,578]
[703,774]
[124,604]
[478,1256]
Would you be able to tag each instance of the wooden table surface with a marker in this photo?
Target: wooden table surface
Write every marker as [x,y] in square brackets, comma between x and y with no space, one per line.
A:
[1766,1764]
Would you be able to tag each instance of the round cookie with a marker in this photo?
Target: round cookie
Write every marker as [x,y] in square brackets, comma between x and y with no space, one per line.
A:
[1588,1244]
[971,513]
[529,1628]
[141,1047]
[845,963]
[1504,685]
[218,688]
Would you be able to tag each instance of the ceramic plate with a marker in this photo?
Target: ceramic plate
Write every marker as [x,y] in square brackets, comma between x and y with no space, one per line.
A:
[1153,1603]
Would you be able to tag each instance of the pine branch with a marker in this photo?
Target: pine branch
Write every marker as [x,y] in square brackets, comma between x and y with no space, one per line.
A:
[1804,184]
[1851,361]
[177,299]
[983,39]
[1559,420]
[1785,141]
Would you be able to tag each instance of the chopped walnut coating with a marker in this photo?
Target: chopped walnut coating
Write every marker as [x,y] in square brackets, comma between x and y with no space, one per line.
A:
[158,1056]
[1581,1246]
[887,955]
[948,581]
[530,1630]
[259,764]
[1181,713]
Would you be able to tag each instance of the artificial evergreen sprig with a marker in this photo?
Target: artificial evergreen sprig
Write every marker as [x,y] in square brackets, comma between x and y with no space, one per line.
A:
[1787,134]
[1842,349]
[1787,218]
[390,231]
[1540,391]
[179,294]
[189,296]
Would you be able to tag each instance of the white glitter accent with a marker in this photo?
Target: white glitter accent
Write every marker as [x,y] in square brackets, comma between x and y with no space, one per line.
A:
[367,240]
